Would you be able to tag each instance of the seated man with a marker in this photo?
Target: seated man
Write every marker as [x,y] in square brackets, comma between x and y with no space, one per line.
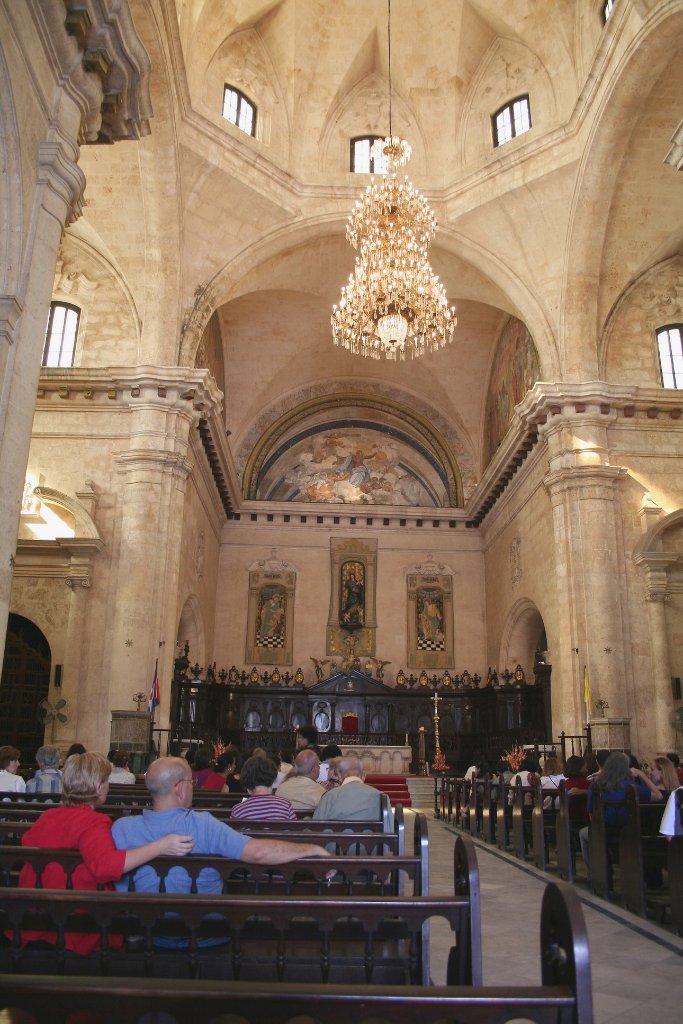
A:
[352,800]
[48,778]
[302,788]
[169,781]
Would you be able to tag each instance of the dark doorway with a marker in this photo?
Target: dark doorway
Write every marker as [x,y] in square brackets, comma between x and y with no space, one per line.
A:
[25,682]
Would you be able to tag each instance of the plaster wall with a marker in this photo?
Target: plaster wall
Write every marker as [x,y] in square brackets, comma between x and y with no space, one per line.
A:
[308,549]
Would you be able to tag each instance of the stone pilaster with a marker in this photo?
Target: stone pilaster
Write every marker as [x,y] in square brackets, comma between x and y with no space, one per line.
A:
[588,573]
[657,689]
[142,598]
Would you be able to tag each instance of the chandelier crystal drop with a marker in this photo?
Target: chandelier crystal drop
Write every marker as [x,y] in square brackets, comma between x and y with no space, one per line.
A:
[393,300]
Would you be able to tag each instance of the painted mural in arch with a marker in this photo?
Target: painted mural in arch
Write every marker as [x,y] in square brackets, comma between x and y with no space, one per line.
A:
[354,463]
[516,368]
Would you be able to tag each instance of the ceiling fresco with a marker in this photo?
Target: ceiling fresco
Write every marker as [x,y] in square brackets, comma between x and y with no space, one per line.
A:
[353,462]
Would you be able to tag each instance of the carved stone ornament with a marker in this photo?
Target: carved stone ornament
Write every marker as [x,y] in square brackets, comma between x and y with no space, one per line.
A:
[429,567]
[272,564]
[515,562]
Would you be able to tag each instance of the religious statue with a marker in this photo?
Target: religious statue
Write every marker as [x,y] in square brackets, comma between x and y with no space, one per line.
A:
[352,597]
[319,666]
[271,616]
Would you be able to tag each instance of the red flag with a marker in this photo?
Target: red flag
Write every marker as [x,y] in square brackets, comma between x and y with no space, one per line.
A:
[154,696]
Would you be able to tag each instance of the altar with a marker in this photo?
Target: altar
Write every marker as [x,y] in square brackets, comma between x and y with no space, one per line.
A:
[381,760]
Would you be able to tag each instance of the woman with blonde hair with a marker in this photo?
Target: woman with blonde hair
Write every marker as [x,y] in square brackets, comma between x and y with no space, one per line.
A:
[76,825]
[664,775]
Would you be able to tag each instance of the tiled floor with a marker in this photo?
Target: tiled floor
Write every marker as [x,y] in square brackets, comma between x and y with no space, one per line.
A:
[637,968]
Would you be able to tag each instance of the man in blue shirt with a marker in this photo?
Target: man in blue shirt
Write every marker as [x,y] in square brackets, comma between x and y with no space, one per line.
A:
[169,781]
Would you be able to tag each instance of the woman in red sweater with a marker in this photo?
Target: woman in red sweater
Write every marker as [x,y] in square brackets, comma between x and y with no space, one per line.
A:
[77,825]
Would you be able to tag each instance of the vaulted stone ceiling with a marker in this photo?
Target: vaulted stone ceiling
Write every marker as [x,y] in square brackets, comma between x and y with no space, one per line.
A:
[546,228]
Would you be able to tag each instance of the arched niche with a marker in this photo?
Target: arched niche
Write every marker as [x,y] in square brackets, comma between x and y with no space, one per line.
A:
[522,637]
[191,629]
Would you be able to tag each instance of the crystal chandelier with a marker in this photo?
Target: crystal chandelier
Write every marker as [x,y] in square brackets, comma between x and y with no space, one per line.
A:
[393,301]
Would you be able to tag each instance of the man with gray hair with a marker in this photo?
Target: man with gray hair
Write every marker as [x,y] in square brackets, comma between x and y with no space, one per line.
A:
[169,781]
[48,778]
[353,800]
[302,788]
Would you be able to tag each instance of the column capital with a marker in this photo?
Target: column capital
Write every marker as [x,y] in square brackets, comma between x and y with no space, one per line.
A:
[584,482]
[137,463]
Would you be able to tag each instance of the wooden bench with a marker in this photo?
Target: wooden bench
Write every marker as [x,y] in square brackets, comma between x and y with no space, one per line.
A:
[642,853]
[271,936]
[571,817]
[543,825]
[379,875]
[524,798]
[564,995]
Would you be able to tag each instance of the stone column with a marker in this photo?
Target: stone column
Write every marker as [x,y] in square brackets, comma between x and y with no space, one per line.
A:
[655,696]
[592,631]
[79,583]
[58,191]
[142,598]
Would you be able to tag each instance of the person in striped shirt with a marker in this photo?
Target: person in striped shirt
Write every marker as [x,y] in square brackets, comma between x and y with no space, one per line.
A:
[258,776]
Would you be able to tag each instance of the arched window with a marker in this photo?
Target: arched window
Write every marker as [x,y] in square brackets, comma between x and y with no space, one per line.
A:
[607,8]
[61,334]
[364,156]
[512,119]
[671,355]
[238,110]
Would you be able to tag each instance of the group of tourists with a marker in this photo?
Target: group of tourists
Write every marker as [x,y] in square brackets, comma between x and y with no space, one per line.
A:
[113,851]
[612,772]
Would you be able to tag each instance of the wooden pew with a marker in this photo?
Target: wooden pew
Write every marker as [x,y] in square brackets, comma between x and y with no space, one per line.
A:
[522,809]
[504,817]
[272,936]
[17,819]
[543,825]
[366,851]
[641,848]
[564,994]
[571,817]
[605,847]
[493,796]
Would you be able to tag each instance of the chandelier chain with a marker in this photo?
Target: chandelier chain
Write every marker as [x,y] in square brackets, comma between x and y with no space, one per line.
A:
[393,300]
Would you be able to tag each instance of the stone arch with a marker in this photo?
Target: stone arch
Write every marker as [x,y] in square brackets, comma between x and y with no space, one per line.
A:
[497,284]
[509,69]
[585,309]
[318,408]
[521,636]
[191,629]
[84,524]
[365,108]
[90,277]
[651,301]
[242,60]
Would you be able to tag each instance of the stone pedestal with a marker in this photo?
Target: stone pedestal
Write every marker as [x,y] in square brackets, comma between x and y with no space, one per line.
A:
[610,733]
[132,731]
